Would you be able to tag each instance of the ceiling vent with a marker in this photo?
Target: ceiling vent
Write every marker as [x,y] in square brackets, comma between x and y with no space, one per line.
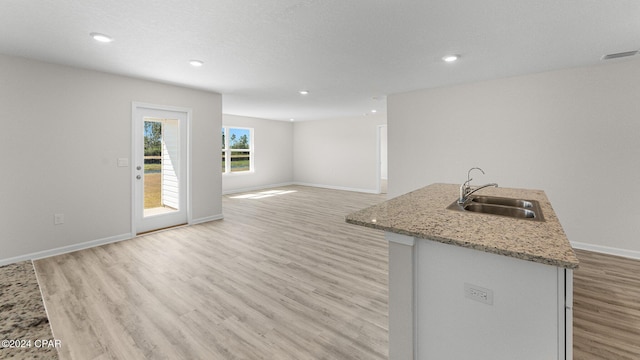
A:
[619,55]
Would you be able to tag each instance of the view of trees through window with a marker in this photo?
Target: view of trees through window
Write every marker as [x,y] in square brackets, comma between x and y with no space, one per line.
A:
[236,149]
[152,164]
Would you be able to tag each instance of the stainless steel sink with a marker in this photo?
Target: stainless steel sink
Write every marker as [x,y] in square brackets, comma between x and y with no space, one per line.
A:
[502,201]
[500,206]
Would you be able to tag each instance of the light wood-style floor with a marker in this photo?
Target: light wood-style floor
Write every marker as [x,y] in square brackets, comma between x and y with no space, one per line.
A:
[282,277]
[606,307]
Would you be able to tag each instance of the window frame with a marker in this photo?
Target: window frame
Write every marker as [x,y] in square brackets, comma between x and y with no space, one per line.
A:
[226,151]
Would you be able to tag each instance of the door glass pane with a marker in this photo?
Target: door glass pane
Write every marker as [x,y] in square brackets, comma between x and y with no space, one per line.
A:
[161,166]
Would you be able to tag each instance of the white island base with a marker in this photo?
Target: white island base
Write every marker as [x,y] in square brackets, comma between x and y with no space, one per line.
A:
[451,302]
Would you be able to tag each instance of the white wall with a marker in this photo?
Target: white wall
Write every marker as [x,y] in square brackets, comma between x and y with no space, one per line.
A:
[572,133]
[273,161]
[337,153]
[62,130]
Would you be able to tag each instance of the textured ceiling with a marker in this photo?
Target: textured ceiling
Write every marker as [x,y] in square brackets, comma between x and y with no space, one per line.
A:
[259,53]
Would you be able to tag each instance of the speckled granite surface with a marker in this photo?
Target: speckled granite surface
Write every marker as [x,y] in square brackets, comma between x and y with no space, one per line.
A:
[423,214]
[22,315]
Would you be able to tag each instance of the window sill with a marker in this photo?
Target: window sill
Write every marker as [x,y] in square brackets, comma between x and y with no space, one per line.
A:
[239,173]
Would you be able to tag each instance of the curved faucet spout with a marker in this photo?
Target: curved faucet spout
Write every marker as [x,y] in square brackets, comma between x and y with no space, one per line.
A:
[469,173]
[465,188]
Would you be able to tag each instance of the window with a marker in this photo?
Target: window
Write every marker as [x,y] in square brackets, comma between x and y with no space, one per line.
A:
[237,150]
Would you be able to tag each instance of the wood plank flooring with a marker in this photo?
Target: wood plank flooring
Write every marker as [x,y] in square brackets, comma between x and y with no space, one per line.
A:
[281,277]
[606,307]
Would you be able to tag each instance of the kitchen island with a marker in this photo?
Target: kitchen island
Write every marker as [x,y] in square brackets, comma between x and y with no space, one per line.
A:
[466,285]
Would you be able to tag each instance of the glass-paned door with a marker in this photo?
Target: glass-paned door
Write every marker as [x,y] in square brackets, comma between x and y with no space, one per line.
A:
[160,168]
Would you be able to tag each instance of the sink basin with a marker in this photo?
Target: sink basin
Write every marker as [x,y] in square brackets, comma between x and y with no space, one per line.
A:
[502,201]
[509,211]
[501,206]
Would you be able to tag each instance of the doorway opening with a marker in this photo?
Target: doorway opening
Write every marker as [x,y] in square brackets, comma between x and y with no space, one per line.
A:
[382,159]
[160,145]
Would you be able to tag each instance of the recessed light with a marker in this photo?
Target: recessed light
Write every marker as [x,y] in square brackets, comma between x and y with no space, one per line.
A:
[450,58]
[196,63]
[304,92]
[101,37]
[292,119]
[374,111]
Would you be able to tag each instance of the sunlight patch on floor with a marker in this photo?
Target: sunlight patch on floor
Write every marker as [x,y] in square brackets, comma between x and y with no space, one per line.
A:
[263,194]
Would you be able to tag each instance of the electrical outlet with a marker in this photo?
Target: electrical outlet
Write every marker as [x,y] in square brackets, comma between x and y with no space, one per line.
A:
[58,219]
[477,293]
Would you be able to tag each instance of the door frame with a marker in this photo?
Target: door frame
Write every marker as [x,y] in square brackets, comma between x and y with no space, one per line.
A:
[135,105]
[379,159]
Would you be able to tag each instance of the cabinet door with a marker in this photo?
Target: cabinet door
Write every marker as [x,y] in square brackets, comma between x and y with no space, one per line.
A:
[521,321]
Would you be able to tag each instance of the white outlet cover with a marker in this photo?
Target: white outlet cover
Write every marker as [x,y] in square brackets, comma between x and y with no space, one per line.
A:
[478,293]
[123,162]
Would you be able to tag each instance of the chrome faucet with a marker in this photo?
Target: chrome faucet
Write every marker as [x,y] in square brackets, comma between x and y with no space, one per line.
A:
[465,188]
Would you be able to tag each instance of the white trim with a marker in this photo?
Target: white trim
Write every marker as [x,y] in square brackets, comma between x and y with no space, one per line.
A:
[239,173]
[368,191]
[254,188]
[562,313]
[632,254]
[66,249]
[415,303]
[189,181]
[135,105]
[568,294]
[90,244]
[227,151]
[399,238]
[378,159]
[269,186]
[206,219]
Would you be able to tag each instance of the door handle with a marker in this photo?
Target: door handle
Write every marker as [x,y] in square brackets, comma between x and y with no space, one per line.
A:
[138,167]
[138,177]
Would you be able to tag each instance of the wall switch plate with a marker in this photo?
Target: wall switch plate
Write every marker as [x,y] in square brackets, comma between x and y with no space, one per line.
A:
[58,219]
[477,293]
[123,162]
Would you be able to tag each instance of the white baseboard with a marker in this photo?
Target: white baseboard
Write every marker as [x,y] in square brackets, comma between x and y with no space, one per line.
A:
[255,188]
[368,191]
[66,249]
[88,244]
[632,254]
[206,219]
[271,186]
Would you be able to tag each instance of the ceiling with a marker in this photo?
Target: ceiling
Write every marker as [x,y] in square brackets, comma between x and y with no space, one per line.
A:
[349,54]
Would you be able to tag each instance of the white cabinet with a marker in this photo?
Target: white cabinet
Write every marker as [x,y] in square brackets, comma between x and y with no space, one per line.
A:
[511,308]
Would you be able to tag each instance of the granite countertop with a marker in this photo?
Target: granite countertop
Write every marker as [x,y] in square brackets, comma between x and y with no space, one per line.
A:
[23,316]
[422,214]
